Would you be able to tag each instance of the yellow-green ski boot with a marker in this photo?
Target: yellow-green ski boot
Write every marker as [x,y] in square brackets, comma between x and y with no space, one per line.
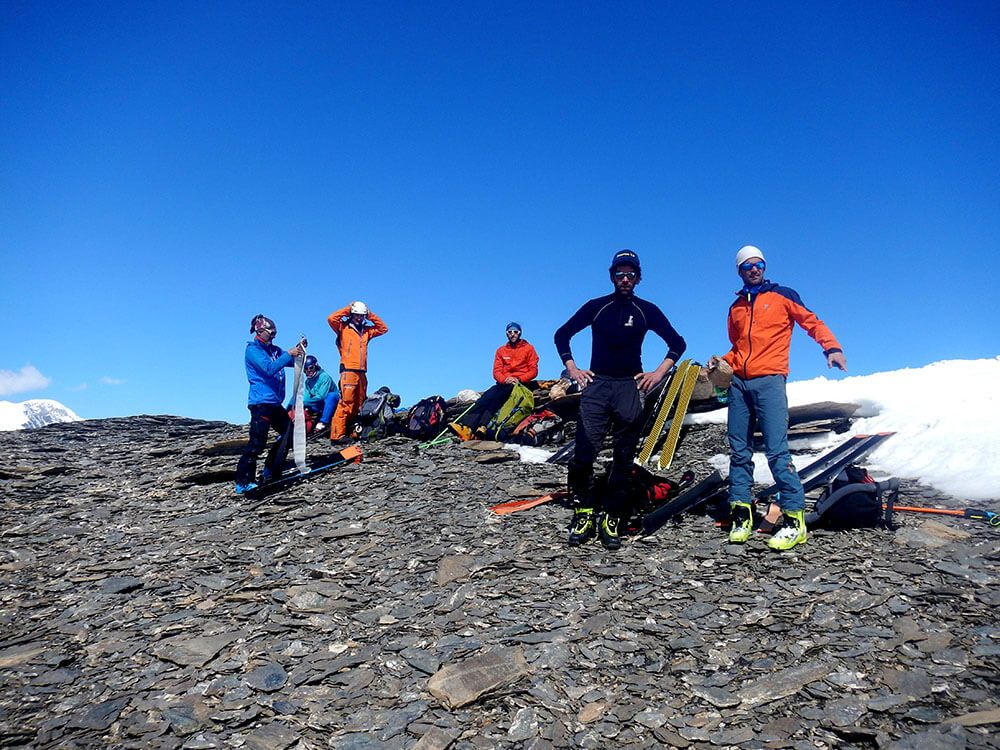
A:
[792,531]
[583,526]
[742,518]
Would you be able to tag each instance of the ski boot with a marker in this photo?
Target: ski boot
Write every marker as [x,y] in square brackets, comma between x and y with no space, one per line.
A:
[582,527]
[610,536]
[244,489]
[742,518]
[791,532]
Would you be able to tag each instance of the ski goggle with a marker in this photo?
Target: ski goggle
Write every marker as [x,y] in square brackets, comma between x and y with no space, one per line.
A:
[626,275]
[748,266]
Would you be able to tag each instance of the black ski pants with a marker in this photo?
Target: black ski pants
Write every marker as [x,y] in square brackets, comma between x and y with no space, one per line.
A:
[487,405]
[606,403]
[262,418]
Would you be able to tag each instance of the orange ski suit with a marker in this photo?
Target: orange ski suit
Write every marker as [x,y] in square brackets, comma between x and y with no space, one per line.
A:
[519,361]
[353,346]
[760,330]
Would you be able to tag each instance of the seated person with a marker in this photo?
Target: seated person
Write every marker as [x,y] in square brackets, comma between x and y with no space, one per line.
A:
[515,362]
[320,394]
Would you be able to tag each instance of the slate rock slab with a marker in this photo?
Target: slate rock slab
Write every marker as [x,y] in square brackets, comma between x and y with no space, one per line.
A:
[267,678]
[436,739]
[194,651]
[100,716]
[464,682]
[782,684]
[976,718]
[948,737]
[121,584]
[272,736]
[454,568]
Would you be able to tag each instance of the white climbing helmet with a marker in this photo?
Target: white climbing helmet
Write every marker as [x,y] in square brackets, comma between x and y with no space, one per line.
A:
[359,308]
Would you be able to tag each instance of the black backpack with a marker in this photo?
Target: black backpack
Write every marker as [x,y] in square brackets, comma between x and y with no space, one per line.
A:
[426,418]
[853,500]
[539,429]
[374,421]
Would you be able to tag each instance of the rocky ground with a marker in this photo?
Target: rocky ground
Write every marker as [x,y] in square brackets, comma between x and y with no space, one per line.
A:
[383,605]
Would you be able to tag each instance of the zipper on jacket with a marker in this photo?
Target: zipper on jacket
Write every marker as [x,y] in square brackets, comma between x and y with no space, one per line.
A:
[751,298]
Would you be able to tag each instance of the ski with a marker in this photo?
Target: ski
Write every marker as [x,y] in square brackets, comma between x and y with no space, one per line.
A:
[350,455]
[516,505]
[706,489]
[852,449]
[667,402]
[564,454]
[683,399]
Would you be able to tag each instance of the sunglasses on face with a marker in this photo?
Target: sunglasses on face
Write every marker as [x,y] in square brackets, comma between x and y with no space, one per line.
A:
[625,275]
[748,266]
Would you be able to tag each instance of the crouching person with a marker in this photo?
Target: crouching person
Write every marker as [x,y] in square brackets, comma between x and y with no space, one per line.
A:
[265,365]
[319,394]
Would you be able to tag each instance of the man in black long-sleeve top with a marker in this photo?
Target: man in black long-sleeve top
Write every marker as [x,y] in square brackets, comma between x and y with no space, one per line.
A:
[611,386]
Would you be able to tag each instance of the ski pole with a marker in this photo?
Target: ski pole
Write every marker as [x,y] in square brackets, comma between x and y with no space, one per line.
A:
[977,514]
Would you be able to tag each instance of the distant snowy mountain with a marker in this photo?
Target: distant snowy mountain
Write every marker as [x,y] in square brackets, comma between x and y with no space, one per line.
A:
[37,412]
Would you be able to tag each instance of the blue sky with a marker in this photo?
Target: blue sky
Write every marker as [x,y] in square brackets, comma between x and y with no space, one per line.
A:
[167,170]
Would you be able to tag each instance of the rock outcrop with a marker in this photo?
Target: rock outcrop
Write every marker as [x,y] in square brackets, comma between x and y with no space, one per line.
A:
[143,605]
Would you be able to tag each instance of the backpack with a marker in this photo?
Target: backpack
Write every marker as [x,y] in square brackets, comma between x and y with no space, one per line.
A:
[853,500]
[425,418]
[519,404]
[374,421]
[538,429]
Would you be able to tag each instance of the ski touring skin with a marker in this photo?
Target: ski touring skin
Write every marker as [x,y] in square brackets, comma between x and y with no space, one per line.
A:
[516,505]
[662,406]
[670,395]
[683,400]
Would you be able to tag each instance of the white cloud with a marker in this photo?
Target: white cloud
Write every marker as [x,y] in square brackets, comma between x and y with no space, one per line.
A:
[81,387]
[27,379]
[108,380]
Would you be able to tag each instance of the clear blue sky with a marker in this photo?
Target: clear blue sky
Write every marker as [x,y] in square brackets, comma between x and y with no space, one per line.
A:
[167,170]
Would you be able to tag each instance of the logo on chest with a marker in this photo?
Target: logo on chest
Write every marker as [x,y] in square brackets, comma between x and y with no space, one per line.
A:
[630,322]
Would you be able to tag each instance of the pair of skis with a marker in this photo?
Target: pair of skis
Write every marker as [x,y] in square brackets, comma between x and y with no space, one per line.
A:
[676,397]
[677,390]
[817,473]
[831,463]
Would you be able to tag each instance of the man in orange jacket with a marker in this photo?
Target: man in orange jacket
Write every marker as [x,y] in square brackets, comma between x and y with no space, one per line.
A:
[760,330]
[355,325]
[514,362]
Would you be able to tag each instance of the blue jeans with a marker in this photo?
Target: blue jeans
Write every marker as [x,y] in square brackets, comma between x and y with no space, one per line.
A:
[761,402]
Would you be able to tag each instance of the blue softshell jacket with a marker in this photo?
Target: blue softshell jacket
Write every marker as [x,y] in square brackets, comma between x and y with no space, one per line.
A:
[266,365]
